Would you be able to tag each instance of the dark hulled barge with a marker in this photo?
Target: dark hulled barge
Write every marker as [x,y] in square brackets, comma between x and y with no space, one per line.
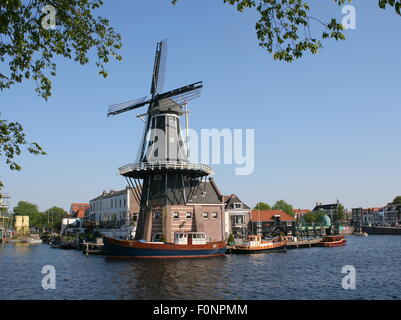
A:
[187,245]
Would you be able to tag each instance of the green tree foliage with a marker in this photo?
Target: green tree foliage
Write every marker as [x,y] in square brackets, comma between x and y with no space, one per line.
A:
[319,216]
[397,200]
[24,208]
[287,30]
[340,214]
[393,3]
[314,216]
[50,219]
[262,206]
[12,139]
[29,51]
[231,240]
[284,206]
[54,217]
[309,217]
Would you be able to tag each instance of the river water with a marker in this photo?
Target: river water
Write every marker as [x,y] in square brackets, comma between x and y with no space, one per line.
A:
[312,273]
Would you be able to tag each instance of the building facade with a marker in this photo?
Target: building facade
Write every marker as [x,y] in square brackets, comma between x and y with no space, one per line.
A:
[392,214]
[368,216]
[204,212]
[22,224]
[299,213]
[236,216]
[388,215]
[113,209]
[267,222]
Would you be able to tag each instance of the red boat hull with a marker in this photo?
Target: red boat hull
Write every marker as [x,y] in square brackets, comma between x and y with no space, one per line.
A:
[332,241]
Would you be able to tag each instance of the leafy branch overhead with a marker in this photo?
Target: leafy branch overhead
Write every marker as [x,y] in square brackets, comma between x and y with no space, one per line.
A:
[12,138]
[284,28]
[30,49]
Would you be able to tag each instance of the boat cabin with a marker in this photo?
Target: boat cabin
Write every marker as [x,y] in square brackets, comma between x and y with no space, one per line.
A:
[190,238]
[253,241]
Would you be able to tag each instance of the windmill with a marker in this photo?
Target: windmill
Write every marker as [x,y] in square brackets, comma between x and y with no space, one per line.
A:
[162,174]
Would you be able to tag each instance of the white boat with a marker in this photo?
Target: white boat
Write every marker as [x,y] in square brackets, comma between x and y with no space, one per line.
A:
[33,240]
[361,234]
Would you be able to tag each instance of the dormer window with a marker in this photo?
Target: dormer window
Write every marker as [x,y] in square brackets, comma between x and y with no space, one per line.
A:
[238,205]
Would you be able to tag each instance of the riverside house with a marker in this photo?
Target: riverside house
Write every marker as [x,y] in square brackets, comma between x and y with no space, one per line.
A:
[266,221]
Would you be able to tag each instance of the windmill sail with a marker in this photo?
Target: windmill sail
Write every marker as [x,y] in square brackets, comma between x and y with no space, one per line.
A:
[126,106]
[159,69]
[185,97]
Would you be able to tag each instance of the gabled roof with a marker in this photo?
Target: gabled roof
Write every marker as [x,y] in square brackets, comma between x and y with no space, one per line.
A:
[231,199]
[301,211]
[332,206]
[206,193]
[268,215]
[78,209]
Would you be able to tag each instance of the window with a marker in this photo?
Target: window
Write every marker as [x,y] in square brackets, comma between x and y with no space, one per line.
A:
[125,202]
[120,202]
[157,215]
[189,215]
[239,219]
[237,205]
[111,203]
[205,215]
[176,215]
[214,214]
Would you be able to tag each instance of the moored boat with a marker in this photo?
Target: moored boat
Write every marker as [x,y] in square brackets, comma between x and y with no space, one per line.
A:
[332,241]
[34,239]
[186,245]
[63,245]
[361,234]
[255,244]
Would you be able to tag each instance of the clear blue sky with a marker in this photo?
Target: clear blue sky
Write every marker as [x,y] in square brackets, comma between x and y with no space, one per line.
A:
[326,126]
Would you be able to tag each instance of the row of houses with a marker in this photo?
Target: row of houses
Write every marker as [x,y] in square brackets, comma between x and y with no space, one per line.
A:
[222,214]
[389,215]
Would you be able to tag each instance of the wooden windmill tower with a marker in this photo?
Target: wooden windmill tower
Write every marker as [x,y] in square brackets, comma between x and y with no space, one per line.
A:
[162,175]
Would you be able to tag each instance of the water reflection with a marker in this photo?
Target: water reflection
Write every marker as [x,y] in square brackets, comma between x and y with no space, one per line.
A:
[170,278]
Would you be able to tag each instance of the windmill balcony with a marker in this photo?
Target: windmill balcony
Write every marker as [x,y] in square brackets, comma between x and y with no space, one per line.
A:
[141,169]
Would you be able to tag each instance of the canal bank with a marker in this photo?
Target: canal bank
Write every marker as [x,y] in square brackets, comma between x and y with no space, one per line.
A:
[382,230]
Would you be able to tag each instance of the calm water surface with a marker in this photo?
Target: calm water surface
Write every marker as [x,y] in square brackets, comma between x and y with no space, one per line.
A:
[313,273]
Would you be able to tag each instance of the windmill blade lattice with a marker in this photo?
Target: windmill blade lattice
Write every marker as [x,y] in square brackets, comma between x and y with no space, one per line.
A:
[126,106]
